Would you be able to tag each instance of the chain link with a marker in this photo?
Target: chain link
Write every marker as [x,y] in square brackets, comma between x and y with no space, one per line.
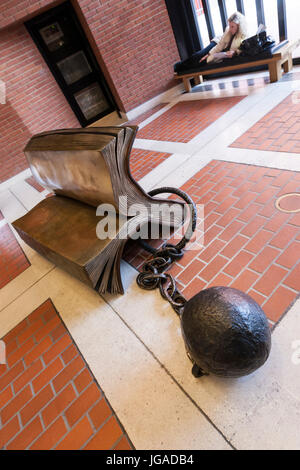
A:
[152,275]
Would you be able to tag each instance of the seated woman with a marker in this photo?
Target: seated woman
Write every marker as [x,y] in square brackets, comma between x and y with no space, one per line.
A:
[219,49]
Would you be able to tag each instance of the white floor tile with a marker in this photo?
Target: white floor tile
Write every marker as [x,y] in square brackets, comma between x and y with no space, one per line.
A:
[10,206]
[160,146]
[163,170]
[26,194]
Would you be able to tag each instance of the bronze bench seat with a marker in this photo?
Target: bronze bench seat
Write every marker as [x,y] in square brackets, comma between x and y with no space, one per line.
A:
[84,168]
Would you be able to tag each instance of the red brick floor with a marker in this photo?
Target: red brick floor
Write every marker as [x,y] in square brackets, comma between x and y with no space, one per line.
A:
[12,258]
[186,119]
[277,131]
[49,398]
[249,244]
[143,161]
[32,181]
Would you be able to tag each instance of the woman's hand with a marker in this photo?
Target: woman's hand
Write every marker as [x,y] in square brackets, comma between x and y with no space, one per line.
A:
[230,54]
[203,58]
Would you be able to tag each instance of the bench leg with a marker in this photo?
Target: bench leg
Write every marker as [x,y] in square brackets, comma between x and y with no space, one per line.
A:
[275,71]
[288,64]
[198,79]
[187,85]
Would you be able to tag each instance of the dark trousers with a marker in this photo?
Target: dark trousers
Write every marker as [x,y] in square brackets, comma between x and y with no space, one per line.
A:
[193,61]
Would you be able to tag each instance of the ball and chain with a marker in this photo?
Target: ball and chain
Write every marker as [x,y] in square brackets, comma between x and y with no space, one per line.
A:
[226,332]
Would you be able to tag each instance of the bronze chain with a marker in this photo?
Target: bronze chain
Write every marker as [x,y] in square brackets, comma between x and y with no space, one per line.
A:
[153,275]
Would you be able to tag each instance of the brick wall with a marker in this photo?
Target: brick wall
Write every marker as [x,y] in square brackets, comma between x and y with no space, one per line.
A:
[15,10]
[133,42]
[34,102]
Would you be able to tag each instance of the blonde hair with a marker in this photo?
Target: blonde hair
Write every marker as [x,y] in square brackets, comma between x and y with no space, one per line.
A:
[240,20]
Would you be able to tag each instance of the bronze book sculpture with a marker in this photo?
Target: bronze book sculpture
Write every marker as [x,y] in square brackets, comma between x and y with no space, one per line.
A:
[226,333]
[86,168]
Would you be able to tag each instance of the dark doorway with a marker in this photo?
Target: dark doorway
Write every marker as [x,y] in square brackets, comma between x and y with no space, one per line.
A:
[66,50]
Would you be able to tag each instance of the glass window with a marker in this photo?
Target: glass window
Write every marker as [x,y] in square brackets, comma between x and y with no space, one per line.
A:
[292,19]
[216,17]
[203,28]
[271,17]
[250,13]
[231,7]
[201,22]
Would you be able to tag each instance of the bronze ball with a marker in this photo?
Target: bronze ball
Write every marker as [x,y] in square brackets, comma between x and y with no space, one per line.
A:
[226,333]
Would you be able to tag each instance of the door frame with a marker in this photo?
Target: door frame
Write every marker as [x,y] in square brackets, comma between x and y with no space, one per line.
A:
[31,26]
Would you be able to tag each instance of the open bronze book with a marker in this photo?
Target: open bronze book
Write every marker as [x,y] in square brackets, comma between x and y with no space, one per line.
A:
[86,168]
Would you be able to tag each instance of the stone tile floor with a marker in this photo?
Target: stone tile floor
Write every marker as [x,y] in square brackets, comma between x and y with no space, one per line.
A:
[126,352]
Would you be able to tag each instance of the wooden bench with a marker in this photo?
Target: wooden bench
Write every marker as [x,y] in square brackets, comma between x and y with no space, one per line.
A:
[86,168]
[282,58]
